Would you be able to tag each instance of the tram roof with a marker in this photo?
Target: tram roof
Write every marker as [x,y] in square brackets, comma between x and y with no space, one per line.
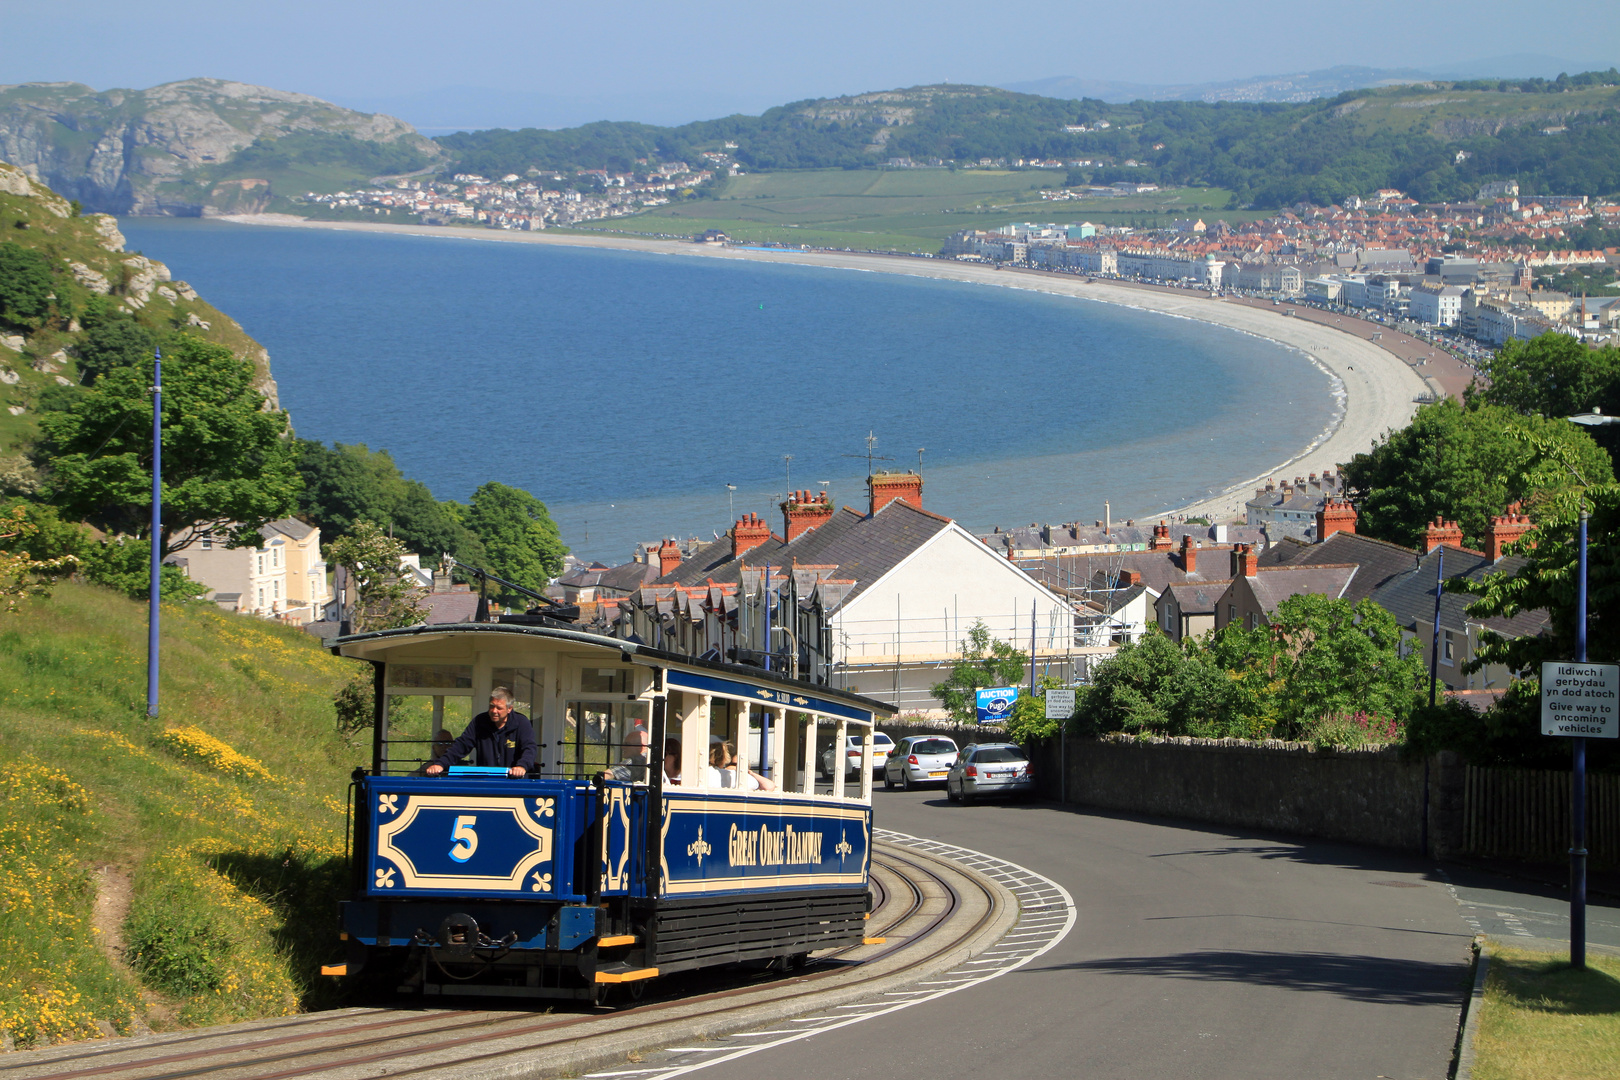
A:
[361,646]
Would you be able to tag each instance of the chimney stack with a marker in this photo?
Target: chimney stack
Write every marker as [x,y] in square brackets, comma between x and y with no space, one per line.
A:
[1442,532]
[886,487]
[1245,563]
[669,557]
[1336,515]
[749,532]
[802,512]
[1161,538]
[1189,554]
[1505,529]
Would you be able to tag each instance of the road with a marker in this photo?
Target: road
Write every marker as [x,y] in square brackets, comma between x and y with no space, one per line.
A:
[1198,952]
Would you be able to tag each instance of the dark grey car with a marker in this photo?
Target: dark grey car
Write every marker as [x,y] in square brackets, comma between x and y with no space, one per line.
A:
[990,769]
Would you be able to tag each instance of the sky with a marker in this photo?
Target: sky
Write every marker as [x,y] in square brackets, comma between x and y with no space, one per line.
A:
[482,63]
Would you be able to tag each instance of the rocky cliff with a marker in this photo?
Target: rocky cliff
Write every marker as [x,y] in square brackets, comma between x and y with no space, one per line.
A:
[91,278]
[197,146]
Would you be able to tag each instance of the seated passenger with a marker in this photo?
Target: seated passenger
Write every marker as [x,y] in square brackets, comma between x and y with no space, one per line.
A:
[501,738]
[716,775]
[637,756]
[672,761]
[746,781]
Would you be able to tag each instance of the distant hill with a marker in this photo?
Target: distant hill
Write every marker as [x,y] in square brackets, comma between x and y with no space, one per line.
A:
[1435,140]
[197,146]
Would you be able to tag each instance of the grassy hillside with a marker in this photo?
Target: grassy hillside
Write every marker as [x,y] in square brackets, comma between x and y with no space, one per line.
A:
[91,273]
[171,871]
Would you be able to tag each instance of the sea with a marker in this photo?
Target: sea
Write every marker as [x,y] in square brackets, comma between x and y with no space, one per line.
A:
[644,396]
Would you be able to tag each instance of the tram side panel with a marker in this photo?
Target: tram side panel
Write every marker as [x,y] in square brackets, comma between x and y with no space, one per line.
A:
[748,877]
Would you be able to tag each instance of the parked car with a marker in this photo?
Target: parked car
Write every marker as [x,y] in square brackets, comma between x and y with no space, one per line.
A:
[919,759]
[990,769]
[881,745]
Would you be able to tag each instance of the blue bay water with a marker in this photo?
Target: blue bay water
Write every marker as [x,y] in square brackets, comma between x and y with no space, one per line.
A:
[628,389]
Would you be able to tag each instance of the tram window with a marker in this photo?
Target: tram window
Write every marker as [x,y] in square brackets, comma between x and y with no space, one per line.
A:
[527,686]
[430,676]
[413,724]
[596,733]
[603,680]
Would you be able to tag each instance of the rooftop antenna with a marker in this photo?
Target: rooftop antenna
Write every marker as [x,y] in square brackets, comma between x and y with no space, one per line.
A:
[871,444]
[920,451]
[731,500]
[788,458]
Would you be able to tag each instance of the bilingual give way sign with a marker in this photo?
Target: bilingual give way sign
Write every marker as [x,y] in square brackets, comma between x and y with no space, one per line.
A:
[1059,704]
[1580,700]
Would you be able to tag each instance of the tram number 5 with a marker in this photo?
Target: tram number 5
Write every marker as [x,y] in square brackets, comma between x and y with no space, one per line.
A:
[466,841]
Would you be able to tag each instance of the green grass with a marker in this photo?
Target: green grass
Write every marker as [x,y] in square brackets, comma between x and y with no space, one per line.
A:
[1445,113]
[1543,1020]
[904,209]
[226,816]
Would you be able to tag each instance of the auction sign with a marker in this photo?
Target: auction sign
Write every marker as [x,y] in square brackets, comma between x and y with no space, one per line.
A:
[995,705]
[1580,700]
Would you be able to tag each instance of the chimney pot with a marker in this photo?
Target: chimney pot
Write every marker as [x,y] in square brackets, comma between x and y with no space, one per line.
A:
[669,557]
[886,487]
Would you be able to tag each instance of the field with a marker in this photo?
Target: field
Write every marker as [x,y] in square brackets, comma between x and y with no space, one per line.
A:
[1453,114]
[173,871]
[904,209]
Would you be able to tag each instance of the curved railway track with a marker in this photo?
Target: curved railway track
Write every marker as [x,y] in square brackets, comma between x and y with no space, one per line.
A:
[924,907]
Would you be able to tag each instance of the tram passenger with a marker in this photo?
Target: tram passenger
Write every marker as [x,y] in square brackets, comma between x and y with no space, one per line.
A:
[637,756]
[732,777]
[672,761]
[716,775]
[501,738]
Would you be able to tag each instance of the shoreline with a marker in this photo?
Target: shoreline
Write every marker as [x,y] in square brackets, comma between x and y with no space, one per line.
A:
[1375,388]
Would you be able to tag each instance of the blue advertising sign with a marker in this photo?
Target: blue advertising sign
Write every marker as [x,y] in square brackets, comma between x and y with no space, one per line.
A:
[995,704]
[716,843]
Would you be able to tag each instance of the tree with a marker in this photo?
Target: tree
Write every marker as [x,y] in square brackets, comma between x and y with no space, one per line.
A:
[383,598]
[227,461]
[1463,464]
[26,285]
[1154,685]
[520,541]
[984,662]
[1553,375]
[346,483]
[111,342]
[1337,658]
[21,574]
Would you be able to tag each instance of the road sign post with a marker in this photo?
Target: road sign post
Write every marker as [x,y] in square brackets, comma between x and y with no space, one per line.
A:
[1060,706]
[1579,702]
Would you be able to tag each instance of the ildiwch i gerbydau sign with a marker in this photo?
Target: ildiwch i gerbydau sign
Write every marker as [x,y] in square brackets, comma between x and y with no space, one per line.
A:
[1580,700]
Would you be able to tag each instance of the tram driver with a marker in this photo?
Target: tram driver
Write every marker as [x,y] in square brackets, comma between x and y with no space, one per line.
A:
[500,737]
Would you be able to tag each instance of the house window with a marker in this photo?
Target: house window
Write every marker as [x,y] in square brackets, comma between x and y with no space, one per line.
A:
[1447,647]
[275,590]
[261,598]
[261,562]
[1254,621]
[1231,613]
[208,543]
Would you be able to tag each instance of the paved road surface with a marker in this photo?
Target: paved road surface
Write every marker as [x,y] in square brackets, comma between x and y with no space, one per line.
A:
[1198,953]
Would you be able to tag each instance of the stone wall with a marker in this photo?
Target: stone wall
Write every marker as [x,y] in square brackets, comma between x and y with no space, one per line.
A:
[1363,797]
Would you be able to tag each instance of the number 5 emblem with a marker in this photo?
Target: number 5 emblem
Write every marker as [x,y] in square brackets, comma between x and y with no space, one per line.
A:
[463,835]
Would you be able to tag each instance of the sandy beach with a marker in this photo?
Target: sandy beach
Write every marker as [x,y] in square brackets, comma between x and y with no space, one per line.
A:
[1374,388]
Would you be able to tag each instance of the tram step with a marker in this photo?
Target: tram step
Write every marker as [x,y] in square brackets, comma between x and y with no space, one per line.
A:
[623,973]
[617,939]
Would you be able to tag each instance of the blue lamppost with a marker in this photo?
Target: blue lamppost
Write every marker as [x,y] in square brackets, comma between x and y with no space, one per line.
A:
[155,589]
[1577,793]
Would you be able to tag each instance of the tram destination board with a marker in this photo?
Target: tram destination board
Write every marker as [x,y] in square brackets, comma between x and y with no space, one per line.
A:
[1580,700]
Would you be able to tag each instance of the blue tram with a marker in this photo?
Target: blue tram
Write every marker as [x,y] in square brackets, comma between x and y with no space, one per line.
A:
[600,867]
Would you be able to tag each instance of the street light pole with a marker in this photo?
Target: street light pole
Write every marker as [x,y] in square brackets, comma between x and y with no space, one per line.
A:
[1577,792]
[155,587]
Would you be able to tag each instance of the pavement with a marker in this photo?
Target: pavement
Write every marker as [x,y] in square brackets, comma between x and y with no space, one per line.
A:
[1198,952]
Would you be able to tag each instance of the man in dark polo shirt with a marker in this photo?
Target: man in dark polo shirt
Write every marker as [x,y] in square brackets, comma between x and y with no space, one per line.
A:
[500,738]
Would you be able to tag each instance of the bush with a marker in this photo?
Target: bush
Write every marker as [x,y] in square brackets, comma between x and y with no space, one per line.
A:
[26,285]
[1351,731]
[124,564]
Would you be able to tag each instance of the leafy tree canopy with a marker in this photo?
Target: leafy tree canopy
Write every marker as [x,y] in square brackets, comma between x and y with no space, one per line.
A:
[383,598]
[227,461]
[984,662]
[521,542]
[111,342]
[348,483]
[1463,464]
[26,285]
[1553,375]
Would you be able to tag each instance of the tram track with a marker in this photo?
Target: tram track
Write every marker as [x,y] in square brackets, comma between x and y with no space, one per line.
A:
[930,911]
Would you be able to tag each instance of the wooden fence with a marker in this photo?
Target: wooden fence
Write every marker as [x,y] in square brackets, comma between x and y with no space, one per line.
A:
[1524,814]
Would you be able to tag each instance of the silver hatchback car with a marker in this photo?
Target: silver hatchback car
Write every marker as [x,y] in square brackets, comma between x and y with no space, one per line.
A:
[919,759]
[990,769]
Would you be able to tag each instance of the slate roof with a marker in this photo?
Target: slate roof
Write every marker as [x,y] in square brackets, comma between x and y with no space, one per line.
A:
[862,548]
[1275,584]
[1198,597]
[449,607]
[622,579]
[1379,560]
[287,527]
[1410,596]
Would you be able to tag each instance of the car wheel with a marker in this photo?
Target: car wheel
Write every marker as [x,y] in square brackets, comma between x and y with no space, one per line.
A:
[905,780]
[967,800]
[950,796]
[888,785]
